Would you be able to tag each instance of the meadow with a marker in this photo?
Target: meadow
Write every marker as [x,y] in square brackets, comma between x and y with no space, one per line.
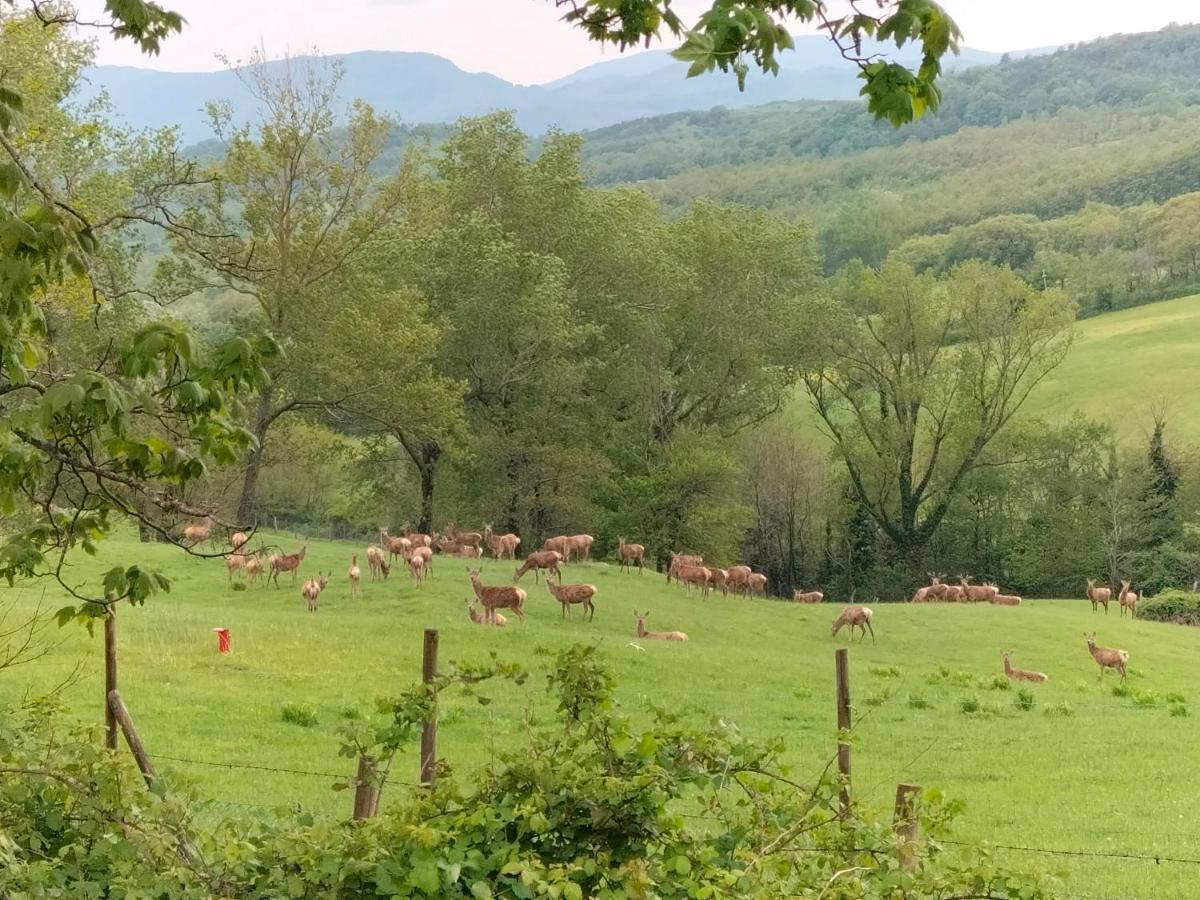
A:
[1084,770]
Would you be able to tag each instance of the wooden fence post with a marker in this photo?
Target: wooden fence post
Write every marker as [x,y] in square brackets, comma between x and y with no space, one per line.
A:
[907,823]
[366,791]
[842,662]
[110,676]
[116,707]
[429,732]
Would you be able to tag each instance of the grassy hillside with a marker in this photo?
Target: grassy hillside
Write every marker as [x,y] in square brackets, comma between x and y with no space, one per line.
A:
[1125,364]
[1084,770]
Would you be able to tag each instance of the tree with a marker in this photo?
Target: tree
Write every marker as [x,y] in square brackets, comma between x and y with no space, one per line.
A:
[296,202]
[914,376]
[732,34]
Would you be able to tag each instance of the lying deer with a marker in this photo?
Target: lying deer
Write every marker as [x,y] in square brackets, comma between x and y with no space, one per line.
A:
[799,596]
[481,619]
[656,635]
[1020,674]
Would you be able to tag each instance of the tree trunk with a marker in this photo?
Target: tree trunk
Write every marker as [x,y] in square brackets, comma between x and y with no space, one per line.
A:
[247,511]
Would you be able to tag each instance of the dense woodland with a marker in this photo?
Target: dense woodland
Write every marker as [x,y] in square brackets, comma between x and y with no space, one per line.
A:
[472,332]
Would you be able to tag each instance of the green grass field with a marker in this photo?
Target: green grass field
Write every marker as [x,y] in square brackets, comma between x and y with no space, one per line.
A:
[1123,364]
[1084,770]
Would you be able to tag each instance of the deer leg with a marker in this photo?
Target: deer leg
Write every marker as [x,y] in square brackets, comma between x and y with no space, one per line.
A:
[872,631]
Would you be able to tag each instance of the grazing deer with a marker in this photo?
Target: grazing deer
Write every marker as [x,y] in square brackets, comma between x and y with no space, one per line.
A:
[503,546]
[1098,595]
[1106,657]
[630,555]
[287,562]
[855,617]
[567,594]
[481,619]
[312,590]
[656,635]
[498,597]
[1128,599]
[739,579]
[355,574]
[1020,674]
[679,560]
[540,559]
[799,596]
[757,584]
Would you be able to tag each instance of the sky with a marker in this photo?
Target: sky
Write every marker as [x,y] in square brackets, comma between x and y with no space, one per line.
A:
[524,41]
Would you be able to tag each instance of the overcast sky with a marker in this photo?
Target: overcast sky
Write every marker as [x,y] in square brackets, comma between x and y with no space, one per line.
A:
[524,41]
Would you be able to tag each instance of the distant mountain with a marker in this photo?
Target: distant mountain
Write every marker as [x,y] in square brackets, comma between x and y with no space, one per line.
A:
[421,87]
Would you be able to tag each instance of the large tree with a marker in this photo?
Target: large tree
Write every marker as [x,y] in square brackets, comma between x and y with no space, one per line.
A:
[914,376]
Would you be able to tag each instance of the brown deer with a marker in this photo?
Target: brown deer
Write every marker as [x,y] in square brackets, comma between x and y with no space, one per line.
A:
[1128,599]
[287,562]
[855,617]
[682,559]
[498,597]
[466,538]
[977,593]
[374,561]
[253,567]
[481,619]
[312,590]
[557,544]
[1006,600]
[197,534]
[799,596]
[1106,657]
[234,562]
[503,546]
[739,579]
[719,578]
[1020,674]
[540,559]
[757,584]
[579,546]
[419,566]
[238,540]
[1098,596]
[936,589]
[568,594]
[355,574]
[400,546]
[630,555]
[693,575]
[656,635]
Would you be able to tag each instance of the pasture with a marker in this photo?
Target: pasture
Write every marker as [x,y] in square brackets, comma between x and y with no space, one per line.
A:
[1083,770]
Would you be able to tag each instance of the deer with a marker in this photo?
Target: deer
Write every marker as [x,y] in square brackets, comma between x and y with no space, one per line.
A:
[739,578]
[693,575]
[1098,596]
[481,619]
[921,595]
[568,594]
[238,540]
[498,597]
[374,560]
[656,635]
[355,574]
[579,545]
[447,546]
[1020,674]
[400,546]
[1128,599]
[630,555]
[682,559]
[503,546]
[312,589]
[197,534]
[953,593]
[855,617]
[537,560]
[757,584]
[799,596]
[936,589]
[253,567]
[557,544]
[466,538]
[1106,657]
[418,566]
[977,593]
[1006,600]
[287,562]
[719,578]
[234,562]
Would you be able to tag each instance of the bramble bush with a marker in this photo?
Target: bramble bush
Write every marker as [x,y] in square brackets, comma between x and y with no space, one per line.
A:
[592,807]
[1180,607]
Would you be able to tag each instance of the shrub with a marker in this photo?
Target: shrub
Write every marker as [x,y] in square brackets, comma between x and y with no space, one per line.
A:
[238,586]
[1024,700]
[884,671]
[1176,697]
[969,705]
[1144,698]
[1000,683]
[1121,689]
[1179,709]
[1180,607]
[299,714]
[878,698]
[1061,708]
[917,701]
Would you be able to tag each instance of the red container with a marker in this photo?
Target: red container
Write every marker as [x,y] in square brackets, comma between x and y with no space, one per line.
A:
[222,639]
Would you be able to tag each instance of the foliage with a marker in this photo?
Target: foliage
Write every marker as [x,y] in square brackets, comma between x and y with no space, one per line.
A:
[1180,607]
[591,808]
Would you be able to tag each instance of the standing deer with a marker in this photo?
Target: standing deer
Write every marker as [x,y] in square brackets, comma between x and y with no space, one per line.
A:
[400,546]
[355,574]
[1020,674]
[855,617]
[197,534]
[1128,599]
[977,593]
[234,562]
[679,560]
[466,538]
[693,575]
[656,635]
[1106,657]
[567,594]
[503,546]
[287,562]
[498,597]
[253,567]
[374,561]
[540,559]
[1098,595]
[238,540]
[739,579]
[557,544]
[757,584]
[719,578]
[630,555]
[579,545]
[312,590]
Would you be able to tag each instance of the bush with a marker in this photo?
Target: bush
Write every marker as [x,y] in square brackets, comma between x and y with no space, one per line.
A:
[299,714]
[917,701]
[1025,700]
[1180,710]
[1000,683]
[1180,607]
[1062,708]
[884,671]
[879,697]
[969,705]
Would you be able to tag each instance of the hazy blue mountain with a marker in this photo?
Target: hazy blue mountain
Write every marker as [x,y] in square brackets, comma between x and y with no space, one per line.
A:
[422,87]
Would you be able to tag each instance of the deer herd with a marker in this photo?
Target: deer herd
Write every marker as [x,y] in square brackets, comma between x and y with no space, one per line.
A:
[416,552]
